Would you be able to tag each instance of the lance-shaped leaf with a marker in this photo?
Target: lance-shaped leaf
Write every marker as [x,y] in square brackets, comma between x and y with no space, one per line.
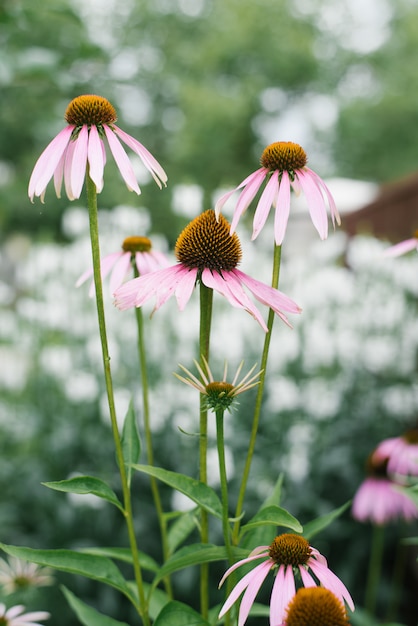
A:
[317,525]
[124,554]
[197,491]
[131,444]
[176,614]
[87,614]
[86,485]
[273,516]
[91,566]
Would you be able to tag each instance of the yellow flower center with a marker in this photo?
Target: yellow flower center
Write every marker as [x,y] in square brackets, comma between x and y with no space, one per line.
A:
[90,110]
[290,549]
[283,155]
[316,606]
[136,244]
[205,243]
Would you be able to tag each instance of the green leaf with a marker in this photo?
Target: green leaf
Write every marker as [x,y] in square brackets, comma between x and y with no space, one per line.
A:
[176,613]
[97,568]
[87,614]
[197,491]
[131,444]
[85,485]
[317,525]
[124,554]
[261,535]
[273,516]
[181,528]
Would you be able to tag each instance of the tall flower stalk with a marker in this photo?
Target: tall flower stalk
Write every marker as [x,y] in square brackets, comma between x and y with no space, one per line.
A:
[127,504]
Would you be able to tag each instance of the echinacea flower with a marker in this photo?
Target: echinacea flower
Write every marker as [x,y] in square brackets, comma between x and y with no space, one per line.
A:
[401,454]
[91,119]
[137,250]
[403,247]
[380,500]
[206,252]
[283,166]
[15,616]
[315,606]
[16,574]
[219,394]
[289,553]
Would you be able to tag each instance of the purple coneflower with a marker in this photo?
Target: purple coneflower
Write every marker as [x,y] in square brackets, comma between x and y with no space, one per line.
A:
[315,606]
[207,252]
[289,553]
[91,119]
[283,165]
[403,246]
[401,454]
[380,500]
[15,616]
[137,250]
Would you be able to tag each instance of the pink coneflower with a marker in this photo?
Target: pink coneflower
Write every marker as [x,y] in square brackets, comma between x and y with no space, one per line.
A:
[289,553]
[91,119]
[206,252]
[137,250]
[284,166]
[15,616]
[403,246]
[315,606]
[380,500]
[401,454]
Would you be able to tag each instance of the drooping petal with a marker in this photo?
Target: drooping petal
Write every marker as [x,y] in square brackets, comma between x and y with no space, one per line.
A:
[307,579]
[331,581]
[185,288]
[265,203]
[47,162]
[79,162]
[120,271]
[122,160]
[247,195]
[230,287]
[145,155]
[316,202]
[69,153]
[251,557]
[259,573]
[106,264]
[58,176]
[225,197]
[402,247]
[283,591]
[333,208]
[95,156]
[281,216]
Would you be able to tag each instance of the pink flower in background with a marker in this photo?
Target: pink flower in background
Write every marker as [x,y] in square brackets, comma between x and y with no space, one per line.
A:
[288,553]
[206,252]
[403,247]
[284,168]
[15,616]
[91,119]
[401,454]
[136,249]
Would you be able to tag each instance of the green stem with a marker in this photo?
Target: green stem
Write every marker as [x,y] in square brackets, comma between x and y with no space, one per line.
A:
[375,566]
[95,248]
[206,300]
[148,440]
[397,582]
[259,399]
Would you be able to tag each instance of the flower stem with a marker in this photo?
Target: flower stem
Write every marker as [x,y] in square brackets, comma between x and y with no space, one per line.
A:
[259,398]
[375,565]
[148,439]
[95,248]
[206,301]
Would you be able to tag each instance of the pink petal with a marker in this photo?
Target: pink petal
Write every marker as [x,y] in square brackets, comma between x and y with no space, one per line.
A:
[252,557]
[264,204]
[259,573]
[334,211]
[69,153]
[402,248]
[149,161]
[120,271]
[316,203]
[283,591]
[307,579]
[122,160]
[247,195]
[58,176]
[79,162]
[281,216]
[47,162]
[331,581]
[106,265]
[225,197]
[95,155]
[185,288]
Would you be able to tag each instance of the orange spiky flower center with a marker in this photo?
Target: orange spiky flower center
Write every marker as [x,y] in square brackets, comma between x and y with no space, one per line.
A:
[136,244]
[290,549]
[315,606]
[284,155]
[91,110]
[205,243]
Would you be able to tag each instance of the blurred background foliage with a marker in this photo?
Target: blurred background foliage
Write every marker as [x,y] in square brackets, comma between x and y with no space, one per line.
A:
[205,85]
